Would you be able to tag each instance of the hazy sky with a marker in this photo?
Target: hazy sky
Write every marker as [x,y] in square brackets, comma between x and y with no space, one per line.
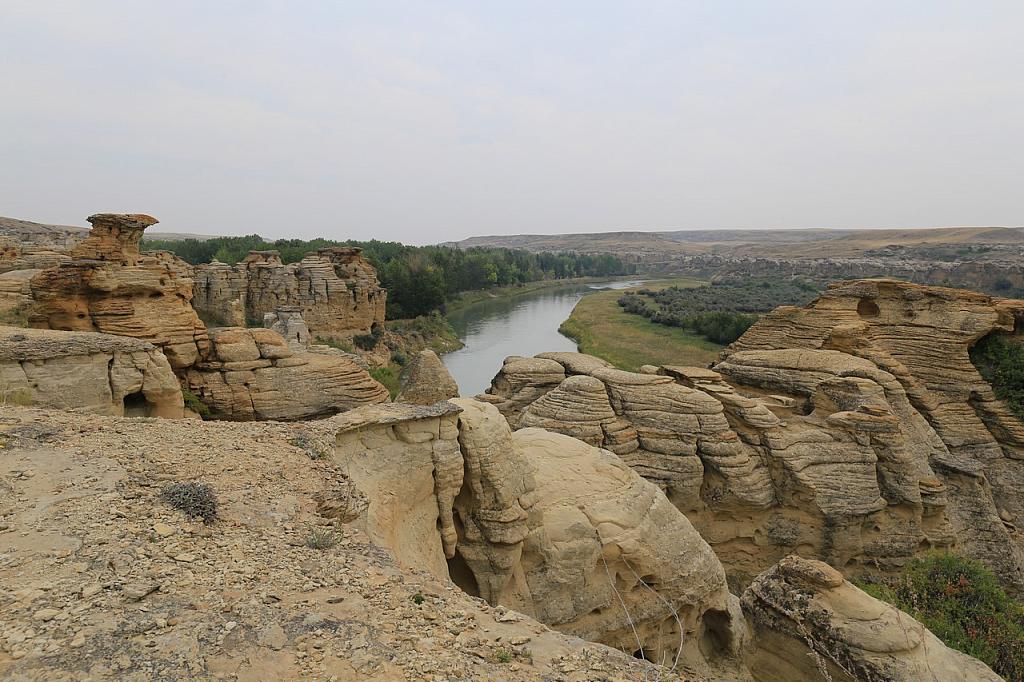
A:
[427,121]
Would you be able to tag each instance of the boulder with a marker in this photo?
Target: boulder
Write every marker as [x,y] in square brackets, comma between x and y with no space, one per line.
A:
[88,372]
[807,622]
[253,374]
[426,380]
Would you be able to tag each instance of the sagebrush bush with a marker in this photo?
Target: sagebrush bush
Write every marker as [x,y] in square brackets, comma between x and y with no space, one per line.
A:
[962,602]
[321,538]
[195,499]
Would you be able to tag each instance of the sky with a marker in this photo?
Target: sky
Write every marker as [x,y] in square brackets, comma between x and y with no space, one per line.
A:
[431,121]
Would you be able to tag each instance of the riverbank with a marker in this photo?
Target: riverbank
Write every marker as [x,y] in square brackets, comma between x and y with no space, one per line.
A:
[600,327]
[468,298]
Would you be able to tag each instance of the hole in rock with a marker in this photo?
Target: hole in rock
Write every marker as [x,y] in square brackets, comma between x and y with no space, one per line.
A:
[715,636]
[867,308]
[460,574]
[135,405]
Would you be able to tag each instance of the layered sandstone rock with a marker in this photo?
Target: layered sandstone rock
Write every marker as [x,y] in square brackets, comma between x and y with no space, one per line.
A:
[538,522]
[855,430]
[97,373]
[287,321]
[809,623]
[254,374]
[108,287]
[426,380]
[335,289]
[16,255]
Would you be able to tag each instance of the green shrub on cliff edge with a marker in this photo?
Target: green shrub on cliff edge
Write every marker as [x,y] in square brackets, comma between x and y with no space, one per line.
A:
[1000,360]
[961,602]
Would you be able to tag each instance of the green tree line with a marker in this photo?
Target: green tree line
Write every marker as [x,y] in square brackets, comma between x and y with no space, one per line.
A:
[419,279]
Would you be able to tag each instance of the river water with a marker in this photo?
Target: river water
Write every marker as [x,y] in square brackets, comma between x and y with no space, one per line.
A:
[526,324]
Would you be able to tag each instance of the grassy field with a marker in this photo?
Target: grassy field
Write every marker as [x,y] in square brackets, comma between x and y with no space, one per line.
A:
[600,327]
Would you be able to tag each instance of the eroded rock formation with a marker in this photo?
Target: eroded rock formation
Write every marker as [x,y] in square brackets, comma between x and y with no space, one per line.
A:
[88,372]
[335,289]
[109,287]
[809,623]
[253,374]
[287,321]
[539,522]
[854,430]
[426,380]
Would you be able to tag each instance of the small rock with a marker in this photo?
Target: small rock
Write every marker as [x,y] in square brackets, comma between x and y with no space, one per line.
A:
[45,615]
[138,591]
[91,590]
[164,530]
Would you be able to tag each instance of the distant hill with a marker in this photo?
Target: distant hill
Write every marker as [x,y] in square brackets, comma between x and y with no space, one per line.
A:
[784,243]
[66,235]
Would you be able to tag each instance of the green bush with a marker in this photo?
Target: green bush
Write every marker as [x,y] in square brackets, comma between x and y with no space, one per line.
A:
[195,499]
[339,344]
[389,377]
[1000,360]
[192,402]
[962,602]
[369,341]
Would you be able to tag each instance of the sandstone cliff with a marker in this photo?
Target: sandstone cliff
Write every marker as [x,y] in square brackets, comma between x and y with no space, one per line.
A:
[536,521]
[335,289]
[241,374]
[855,430]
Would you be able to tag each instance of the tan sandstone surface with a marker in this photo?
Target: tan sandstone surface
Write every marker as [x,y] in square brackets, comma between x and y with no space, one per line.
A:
[86,371]
[253,374]
[809,623]
[105,581]
[855,430]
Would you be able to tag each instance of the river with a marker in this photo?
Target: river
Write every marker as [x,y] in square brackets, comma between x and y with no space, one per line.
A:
[523,324]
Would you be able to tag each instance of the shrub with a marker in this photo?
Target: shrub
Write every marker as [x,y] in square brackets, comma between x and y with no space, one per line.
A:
[192,402]
[333,343]
[194,498]
[1000,360]
[398,357]
[962,602]
[21,397]
[321,538]
[389,377]
[365,341]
